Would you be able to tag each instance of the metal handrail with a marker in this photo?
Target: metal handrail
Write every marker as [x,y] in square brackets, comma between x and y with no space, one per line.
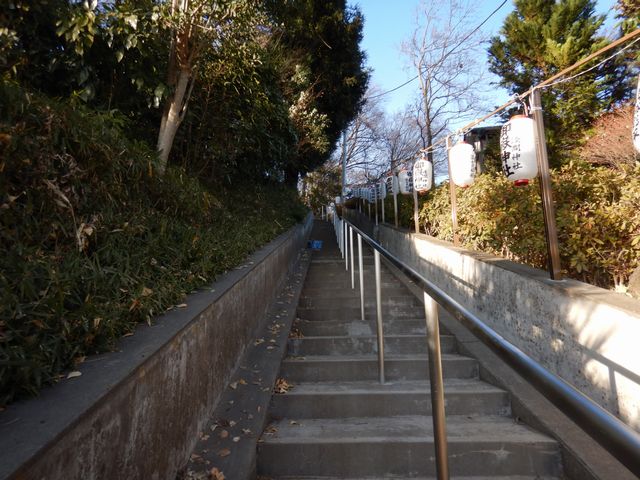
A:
[611,433]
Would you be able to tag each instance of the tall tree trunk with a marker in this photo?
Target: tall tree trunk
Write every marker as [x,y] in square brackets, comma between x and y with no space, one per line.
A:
[172,117]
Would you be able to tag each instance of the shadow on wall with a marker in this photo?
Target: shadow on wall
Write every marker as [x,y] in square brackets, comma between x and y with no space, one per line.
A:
[584,334]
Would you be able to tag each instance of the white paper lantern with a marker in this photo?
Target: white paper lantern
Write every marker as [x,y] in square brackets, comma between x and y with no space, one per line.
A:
[392,184]
[381,192]
[636,120]
[422,175]
[405,182]
[518,150]
[462,159]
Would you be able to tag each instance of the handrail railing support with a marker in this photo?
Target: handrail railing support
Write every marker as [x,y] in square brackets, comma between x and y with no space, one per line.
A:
[353,272]
[346,246]
[437,387]
[376,260]
[361,271]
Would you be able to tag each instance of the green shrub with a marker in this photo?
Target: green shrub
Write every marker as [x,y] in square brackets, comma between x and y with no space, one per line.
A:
[597,214]
[92,242]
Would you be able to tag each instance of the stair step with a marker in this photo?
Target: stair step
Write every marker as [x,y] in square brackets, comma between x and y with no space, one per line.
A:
[348,292]
[350,313]
[319,368]
[354,345]
[357,327]
[403,445]
[369,399]
[354,301]
[492,477]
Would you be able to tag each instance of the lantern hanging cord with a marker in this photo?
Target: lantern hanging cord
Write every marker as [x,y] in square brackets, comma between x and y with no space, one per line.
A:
[548,83]
[567,79]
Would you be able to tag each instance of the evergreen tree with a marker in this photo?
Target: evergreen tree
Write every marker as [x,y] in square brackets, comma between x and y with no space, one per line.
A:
[324,39]
[539,39]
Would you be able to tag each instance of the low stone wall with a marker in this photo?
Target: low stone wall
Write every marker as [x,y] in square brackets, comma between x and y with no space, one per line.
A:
[587,335]
[137,413]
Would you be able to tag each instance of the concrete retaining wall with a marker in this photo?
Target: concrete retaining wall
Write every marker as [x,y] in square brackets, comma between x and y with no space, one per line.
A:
[587,335]
[137,413]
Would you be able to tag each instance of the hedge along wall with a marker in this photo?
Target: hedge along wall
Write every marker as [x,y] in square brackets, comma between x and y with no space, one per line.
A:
[137,412]
[597,214]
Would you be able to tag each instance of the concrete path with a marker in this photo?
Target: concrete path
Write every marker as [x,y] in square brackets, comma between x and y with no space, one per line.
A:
[334,419]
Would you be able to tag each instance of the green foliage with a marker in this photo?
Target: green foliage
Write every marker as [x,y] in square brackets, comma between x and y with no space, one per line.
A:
[539,39]
[322,186]
[597,218]
[93,242]
[323,38]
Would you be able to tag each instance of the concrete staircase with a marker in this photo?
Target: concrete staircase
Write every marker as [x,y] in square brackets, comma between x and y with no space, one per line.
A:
[338,421]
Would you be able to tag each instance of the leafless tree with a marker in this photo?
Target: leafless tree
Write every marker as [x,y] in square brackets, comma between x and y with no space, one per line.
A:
[359,143]
[444,50]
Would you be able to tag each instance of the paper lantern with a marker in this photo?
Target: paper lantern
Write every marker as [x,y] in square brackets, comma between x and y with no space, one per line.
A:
[518,150]
[372,195]
[381,192]
[405,182]
[422,175]
[392,184]
[462,161]
[636,120]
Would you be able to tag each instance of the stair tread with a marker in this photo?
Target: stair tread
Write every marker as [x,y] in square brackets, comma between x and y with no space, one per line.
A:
[493,477]
[396,387]
[403,429]
[372,357]
[367,337]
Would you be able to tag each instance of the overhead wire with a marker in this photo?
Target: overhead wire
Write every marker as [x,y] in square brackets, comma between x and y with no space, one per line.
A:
[551,81]
[453,49]
[548,83]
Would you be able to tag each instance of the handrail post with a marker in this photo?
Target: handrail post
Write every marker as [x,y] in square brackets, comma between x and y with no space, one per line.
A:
[437,387]
[346,246]
[353,272]
[361,277]
[376,257]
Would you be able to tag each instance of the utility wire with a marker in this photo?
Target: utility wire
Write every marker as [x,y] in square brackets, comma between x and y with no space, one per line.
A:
[453,49]
[549,82]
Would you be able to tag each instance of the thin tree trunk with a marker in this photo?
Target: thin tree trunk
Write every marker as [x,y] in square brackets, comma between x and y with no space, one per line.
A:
[172,117]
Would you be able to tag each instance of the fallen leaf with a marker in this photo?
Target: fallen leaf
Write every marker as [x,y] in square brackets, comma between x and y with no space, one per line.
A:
[242,382]
[204,438]
[216,474]
[246,431]
[232,423]
[146,292]
[282,386]
[258,341]
[223,434]
[224,452]
[182,305]
[236,439]
[293,422]
[233,385]
[128,334]
[74,374]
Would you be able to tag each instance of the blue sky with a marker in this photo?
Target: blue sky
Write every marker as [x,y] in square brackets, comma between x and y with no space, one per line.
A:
[388,23]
